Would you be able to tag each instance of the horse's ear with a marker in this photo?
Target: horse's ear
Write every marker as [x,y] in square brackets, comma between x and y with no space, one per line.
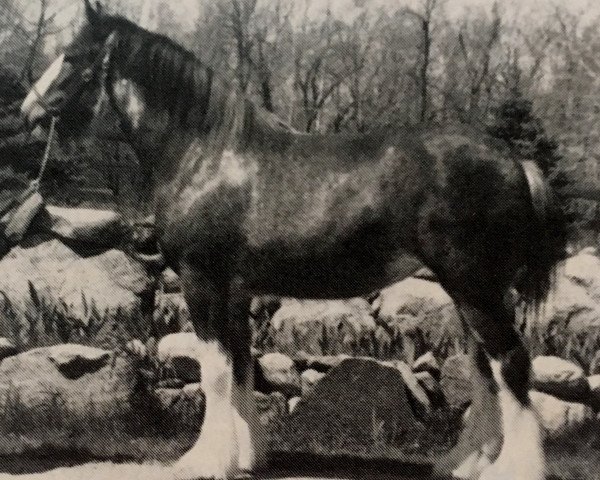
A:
[92,14]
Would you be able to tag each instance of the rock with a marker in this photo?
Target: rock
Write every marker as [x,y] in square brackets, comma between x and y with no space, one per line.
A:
[560,378]
[180,352]
[574,306]
[192,390]
[79,381]
[323,327]
[594,383]
[101,227]
[432,387]
[427,363]
[167,397]
[109,283]
[75,360]
[361,401]
[595,365]
[171,313]
[422,314]
[169,281]
[271,407]
[309,379]
[456,380]
[40,264]
[417,395]
[292,402]
[278,373]
[7,348]
[425,274]
[560,418]
[320,363]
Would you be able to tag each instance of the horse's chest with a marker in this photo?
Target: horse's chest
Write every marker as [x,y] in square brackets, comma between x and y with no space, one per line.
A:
[206,208]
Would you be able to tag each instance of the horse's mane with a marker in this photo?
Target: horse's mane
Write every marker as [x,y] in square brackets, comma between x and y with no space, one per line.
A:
[173,78]
[170,76]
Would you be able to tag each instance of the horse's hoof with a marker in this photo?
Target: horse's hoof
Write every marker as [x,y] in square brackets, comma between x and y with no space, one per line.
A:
[472,467]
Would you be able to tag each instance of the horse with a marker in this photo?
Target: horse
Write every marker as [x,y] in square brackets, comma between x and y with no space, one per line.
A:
[246,205]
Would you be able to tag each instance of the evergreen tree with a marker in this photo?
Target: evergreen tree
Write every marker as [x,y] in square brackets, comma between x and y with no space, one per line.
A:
[516,124]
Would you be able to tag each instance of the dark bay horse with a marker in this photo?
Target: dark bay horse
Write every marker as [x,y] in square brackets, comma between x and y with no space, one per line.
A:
[244,205]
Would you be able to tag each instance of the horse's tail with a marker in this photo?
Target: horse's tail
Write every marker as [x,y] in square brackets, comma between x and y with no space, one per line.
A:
[546,243]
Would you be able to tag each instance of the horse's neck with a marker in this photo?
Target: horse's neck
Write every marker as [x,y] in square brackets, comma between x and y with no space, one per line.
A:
[169,153]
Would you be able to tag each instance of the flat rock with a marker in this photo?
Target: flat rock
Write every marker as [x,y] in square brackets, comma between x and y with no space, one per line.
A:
[74,360]
[104,227]
[560,378]
[560,418]
[358,402]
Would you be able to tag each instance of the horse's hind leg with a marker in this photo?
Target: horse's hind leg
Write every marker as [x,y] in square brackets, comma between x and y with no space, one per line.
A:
[480,439]
[223,437]
[521,456]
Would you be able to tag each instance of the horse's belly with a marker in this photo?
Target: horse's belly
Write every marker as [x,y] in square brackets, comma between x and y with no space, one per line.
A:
[326,276]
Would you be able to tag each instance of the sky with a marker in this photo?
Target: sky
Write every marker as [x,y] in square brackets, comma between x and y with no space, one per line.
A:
[187,10]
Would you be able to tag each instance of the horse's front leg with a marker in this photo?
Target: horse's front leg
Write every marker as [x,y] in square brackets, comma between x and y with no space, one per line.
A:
[225,444]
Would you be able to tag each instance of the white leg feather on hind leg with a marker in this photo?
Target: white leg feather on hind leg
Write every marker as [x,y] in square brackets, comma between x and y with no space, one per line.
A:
[522,456]
[215,453]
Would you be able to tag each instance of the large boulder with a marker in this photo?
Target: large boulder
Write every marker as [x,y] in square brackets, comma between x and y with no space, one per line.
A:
[560,378]
[358,403]
[323,327]
[43,274]
[560,418]
[112,282]
[76,381]
[574,306]
[422,314]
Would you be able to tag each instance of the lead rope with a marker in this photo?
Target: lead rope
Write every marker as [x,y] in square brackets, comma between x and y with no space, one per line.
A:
[37,181]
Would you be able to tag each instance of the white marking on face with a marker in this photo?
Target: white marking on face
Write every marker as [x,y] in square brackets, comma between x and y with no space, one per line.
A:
[42,85]
[128,95]
[233,169]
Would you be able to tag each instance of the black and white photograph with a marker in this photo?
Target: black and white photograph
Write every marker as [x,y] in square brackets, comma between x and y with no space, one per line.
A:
[299,239]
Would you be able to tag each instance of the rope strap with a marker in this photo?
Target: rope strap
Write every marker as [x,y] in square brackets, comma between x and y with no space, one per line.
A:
[46,157]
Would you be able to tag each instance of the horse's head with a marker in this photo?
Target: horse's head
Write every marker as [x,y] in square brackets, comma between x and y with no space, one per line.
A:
[71,88]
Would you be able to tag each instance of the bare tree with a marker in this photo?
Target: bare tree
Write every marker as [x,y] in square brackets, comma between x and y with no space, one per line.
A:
[424,19]
[476,46]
